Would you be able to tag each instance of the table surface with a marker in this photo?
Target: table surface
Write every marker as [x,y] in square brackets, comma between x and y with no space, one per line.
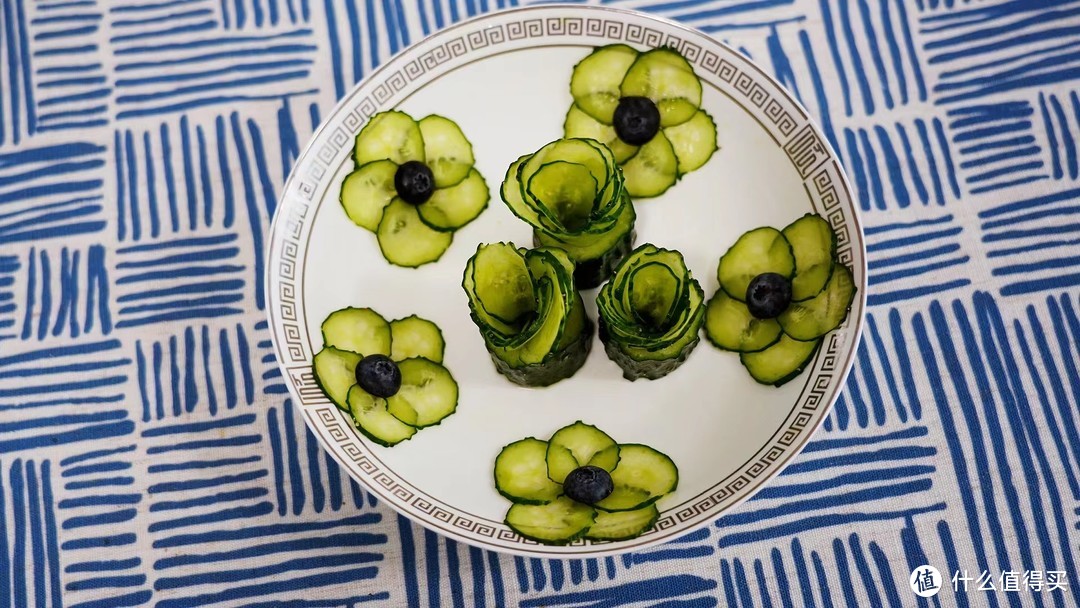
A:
[148,452]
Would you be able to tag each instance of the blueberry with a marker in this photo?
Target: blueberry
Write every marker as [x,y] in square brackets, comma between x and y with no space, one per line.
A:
[378,375]
[414,182]
[588,485]
[637,120]
[768,295]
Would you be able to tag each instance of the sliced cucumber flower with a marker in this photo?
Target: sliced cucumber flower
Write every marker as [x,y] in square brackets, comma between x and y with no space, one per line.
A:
[617,486]
[646,107]
[388,376]
[650,313]
[571,192]
[413,185]
[530,315]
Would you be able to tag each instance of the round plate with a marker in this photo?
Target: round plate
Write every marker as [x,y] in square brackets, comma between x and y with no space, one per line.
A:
[504,78]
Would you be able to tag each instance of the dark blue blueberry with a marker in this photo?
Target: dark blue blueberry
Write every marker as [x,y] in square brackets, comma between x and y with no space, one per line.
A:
[588,485]
[378,375]
[414,182]
[768,295]
[637,120]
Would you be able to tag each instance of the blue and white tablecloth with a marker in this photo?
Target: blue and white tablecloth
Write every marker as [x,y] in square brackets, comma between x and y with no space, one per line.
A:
[148,453]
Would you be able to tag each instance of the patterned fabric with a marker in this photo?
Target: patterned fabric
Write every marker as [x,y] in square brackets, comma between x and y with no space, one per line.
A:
[149,455]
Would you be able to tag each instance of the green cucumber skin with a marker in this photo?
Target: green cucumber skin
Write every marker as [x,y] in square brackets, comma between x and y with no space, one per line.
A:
[795,373]
[590,274]
[649,370]
[559,366]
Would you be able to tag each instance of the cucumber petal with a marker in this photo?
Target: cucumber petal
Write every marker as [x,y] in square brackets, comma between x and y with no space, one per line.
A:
[781,362]
[359,330]
[521,473]
[451,208]
[578,123]
[755,252]
[428,393]
[405,240]
[389,135]
[653,169]
[374,421]
[335,373]
[558,522]
[665,77]
[824,312]
[595,81]
[565,193]
[643,476]
[623,525]
[513,194]
[693,141]
[366,191]
[813,243]
[447,152]
[730,326]
[413,336]
[577,445]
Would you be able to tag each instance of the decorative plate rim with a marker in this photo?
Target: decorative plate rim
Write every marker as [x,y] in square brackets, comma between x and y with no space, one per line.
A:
[810,152]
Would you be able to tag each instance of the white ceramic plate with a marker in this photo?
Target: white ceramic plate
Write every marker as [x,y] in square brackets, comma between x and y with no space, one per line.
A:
[504,78]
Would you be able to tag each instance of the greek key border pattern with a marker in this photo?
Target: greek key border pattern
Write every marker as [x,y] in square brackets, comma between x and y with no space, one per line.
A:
[803,145]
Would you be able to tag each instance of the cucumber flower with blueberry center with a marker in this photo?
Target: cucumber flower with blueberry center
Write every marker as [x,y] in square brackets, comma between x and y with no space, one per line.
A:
[647,108]
[388,376]
[582,484]
[413,185]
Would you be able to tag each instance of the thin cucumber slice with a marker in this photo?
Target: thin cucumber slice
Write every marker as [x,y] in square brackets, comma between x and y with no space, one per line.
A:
[584,152]
[578,123]
[513,194]
[577,445]
[623,525]
[558,522]
[823,313]
[813,243]
[693,141]
[501,286]
[653,169]
[758,251]
[521,473]
[389,135]
[596,256]
[371,418]
[453,207]
[665,77]
[405,240]
[595,81]
[730,326]
[428,393]
[367,191]
[566,192]
[416,337]
[447,152]
[655,295]
[558,365]
[335,373]
[781,362]
[643,476]
[360,330]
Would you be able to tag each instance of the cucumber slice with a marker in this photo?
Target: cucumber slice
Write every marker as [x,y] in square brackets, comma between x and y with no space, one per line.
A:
[643,476]
[360,330]
[781,362]
[823,313]
[558,365]
[558,522]
[653,169]
[730,326]
[335,373]
[514,195]
[586,152]
[813,243]
[405,240]
[389,135]
[428,393]
[416,337]
[693,141]
[447,152]
[595,81]
[453,207]
[374,421]
[499,286]
[623,525]
[655,294]
[665,77]
[577,445]
[596,256]
[578,123]
[367,191]
[757,251]
[521,473]
[565,192]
